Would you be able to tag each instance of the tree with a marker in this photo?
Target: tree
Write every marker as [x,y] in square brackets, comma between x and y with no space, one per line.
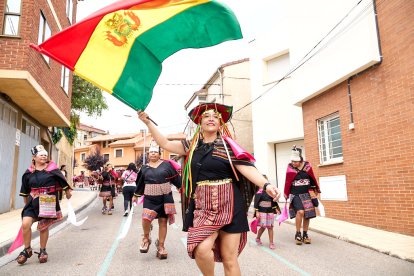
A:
[94,161]
[85,98]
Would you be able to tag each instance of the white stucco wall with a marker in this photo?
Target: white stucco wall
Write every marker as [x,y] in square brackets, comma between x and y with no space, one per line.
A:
[339,36]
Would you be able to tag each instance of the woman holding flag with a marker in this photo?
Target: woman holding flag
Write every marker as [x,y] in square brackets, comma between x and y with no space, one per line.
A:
[216,187]
[40,186]
[154,184]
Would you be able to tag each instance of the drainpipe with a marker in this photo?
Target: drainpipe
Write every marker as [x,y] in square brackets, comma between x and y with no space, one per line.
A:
[221,85]
[351,124]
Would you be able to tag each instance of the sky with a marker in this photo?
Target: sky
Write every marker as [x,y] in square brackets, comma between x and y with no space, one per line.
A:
[183,74]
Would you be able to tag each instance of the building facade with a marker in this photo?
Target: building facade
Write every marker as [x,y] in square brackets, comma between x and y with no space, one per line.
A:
[230,85]
[35,91]
[120,149]
[349,70]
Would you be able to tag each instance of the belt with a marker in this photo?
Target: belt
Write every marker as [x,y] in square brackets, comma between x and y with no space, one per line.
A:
[214,182]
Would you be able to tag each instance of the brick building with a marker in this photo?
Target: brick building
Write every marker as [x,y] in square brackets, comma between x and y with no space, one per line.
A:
[336,77]
[378,136]
[35,91]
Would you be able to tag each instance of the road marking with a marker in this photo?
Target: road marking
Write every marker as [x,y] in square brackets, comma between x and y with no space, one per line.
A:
[108,259]
[281,259]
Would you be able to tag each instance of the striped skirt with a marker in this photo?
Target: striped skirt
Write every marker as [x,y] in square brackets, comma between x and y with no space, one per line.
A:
[214,209]
[266,220]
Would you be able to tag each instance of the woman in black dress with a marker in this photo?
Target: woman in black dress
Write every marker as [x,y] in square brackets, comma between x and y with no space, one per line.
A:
[154,183]
[40,186]
[216,188]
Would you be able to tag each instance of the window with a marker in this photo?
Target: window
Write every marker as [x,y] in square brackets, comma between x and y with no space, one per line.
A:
[44,32]
[8,114]
[69,10]
[85,137]
[118,152]
[330,141]
[64,79]
[83,156]
[12,17]
[30,129]
[106,157]
[276,68]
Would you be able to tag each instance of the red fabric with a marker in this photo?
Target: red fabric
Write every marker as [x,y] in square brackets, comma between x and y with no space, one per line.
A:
[174,164]
[253,225]
[50,167]
[284,216]
[238,151]
[77,36]
[291,174]
[18,241]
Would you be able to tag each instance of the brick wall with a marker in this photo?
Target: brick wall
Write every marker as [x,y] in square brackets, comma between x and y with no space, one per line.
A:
[15,53]
[378,153]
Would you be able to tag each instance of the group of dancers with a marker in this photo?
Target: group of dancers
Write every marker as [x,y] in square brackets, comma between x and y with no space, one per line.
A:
[218,181]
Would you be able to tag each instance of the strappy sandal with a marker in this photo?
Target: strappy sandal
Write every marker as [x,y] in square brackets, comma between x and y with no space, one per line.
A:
[258,241]
[298,238]
[162,253]
[272,246]
[306,239]
[145,244]
[42,255]
[24,255]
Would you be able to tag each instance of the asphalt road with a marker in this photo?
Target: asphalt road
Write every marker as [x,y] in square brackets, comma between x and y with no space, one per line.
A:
[93,249]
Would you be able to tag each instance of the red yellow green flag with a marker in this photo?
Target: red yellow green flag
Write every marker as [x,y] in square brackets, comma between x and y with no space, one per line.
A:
[121,47]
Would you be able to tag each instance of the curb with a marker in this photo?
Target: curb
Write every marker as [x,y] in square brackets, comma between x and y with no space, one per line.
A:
[349,240]
[35,234]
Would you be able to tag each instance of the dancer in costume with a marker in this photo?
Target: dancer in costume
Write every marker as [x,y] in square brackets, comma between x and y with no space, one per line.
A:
[216,191]
[129,177]
[265,210]
[301,191]
[106,192]
[155,179]
[40,186]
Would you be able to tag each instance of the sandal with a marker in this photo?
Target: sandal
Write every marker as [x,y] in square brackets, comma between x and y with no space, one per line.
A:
[306,239]
[145,244]
[103,210]
[162,253]
[298,238]
[24,255]
[42,255]
[258,241]
[272,246]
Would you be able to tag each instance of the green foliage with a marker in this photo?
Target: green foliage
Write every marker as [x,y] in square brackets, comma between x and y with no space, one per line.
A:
[85,98]
[56,136]
[94,161]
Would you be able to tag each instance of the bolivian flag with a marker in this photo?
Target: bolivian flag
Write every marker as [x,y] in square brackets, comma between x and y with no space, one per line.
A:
[121,47]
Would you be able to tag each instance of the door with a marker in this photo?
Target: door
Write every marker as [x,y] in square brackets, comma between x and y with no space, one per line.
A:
[8,123]
[29,138]
[283,152]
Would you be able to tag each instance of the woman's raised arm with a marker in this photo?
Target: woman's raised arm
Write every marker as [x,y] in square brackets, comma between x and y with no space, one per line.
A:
[172,146]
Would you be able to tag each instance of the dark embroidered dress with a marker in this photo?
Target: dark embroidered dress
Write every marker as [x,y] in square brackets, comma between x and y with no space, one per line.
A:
[48,181]
[218,200]
[108,182]
[155,185]
[266,207]
[300,187]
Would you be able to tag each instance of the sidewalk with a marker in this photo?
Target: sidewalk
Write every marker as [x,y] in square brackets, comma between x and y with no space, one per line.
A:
[10,222]
[393,244]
